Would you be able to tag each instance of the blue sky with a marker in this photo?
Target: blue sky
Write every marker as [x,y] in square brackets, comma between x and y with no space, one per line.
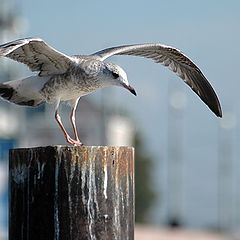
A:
[206,31]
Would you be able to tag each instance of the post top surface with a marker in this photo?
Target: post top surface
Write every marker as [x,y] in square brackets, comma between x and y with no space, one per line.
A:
[83,148]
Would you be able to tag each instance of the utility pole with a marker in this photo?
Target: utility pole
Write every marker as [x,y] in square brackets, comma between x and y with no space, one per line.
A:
[176,105]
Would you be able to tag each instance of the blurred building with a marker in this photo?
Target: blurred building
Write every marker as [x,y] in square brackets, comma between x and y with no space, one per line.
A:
[94,128]
[42,128]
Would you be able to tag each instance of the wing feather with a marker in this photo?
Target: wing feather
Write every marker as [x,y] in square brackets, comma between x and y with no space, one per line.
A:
[37,55]
[175,61]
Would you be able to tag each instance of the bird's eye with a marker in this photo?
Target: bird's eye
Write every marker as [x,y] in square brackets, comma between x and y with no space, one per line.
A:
[115,75]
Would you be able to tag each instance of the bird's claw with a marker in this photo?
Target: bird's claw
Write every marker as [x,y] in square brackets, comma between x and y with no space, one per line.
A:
[77,143]
[74,142]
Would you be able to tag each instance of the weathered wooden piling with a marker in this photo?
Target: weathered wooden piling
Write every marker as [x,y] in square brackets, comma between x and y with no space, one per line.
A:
[71,193]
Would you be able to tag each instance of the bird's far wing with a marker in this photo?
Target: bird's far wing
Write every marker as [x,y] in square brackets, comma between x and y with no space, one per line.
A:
[174,60]
[37,55]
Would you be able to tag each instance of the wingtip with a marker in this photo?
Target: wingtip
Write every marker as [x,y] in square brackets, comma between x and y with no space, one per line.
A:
[218,112]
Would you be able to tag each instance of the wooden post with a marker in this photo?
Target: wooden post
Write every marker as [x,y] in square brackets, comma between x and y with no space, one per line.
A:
[71,193]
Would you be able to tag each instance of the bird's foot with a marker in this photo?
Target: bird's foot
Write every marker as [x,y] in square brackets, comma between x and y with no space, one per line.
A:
[74,142]
[77,143]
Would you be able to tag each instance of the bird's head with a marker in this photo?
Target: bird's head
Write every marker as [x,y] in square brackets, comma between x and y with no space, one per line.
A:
[117,76]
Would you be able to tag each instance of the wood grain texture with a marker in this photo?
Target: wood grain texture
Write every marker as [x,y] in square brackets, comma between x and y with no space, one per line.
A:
[60,192]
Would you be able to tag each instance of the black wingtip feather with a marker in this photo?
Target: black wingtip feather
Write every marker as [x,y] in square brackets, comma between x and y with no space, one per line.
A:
[216,109]
[6,93]
[206,92]
[219,112]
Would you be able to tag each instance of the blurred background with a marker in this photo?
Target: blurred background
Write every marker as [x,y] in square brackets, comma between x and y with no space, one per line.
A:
[187,159]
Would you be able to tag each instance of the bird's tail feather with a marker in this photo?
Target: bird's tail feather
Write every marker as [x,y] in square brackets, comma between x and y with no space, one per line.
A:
[11,94]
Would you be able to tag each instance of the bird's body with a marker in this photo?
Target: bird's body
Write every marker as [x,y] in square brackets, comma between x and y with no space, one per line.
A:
[74,83]
[86,75]
[67,78]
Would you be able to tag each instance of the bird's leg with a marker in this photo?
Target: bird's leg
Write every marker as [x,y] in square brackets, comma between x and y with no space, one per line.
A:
[73,104]
[72,118]
[74,124]
[58,119]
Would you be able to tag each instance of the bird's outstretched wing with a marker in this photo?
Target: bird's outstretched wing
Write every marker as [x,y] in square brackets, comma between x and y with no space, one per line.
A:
[37,55]
[177,62]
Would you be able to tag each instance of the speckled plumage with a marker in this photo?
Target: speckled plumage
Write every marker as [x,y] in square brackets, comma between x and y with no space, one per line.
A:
[67,78]
[82,78]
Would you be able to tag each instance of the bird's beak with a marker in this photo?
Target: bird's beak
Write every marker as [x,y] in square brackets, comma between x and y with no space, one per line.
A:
[131,89]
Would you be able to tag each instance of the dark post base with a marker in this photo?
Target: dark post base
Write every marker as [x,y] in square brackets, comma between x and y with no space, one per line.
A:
[71,193]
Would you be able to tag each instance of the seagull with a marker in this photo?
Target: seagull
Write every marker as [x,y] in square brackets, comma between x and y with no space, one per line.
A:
[67,78]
